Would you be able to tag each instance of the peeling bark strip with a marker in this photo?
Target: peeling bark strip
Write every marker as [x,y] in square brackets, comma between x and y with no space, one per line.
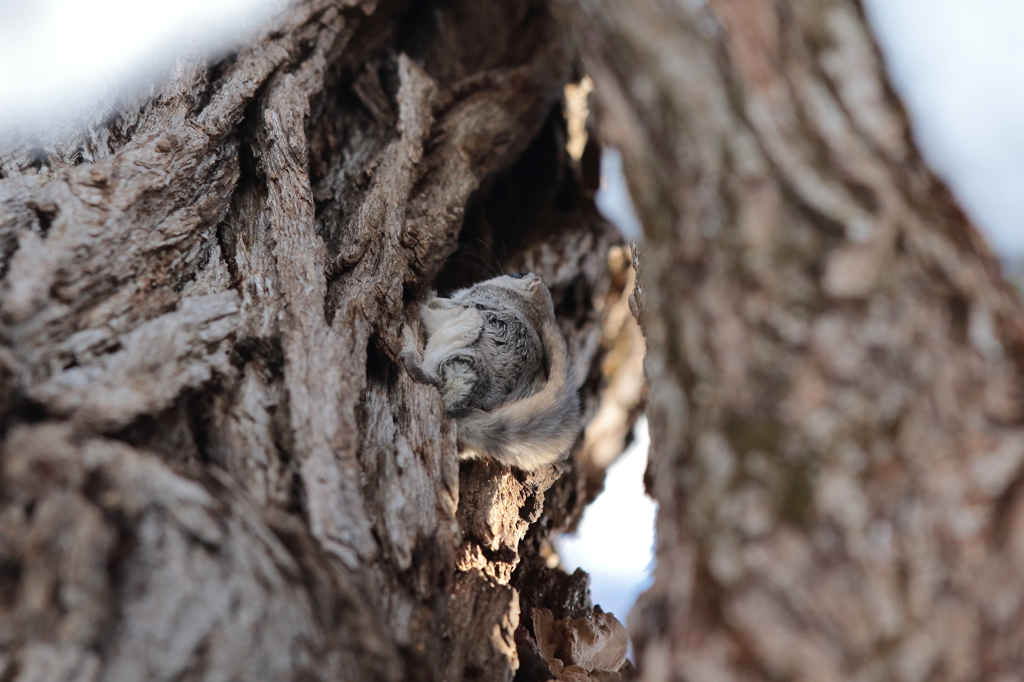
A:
[212,465]
[834,360]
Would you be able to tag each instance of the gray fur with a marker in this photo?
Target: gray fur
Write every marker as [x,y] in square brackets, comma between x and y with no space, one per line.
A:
[501,364]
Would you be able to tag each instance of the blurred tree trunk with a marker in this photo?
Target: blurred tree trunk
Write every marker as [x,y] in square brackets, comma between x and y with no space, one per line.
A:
[212,465]
[834,360]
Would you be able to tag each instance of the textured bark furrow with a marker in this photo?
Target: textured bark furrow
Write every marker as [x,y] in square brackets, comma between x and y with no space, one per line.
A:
[834,382]
[214,467]
[312,351]
[159,360]
[87,269]
[114,529]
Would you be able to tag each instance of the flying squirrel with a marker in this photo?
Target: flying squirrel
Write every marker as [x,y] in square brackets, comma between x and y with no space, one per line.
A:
[495,353]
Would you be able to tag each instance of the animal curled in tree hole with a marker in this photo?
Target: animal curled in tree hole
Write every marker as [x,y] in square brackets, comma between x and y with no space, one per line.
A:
[495,353]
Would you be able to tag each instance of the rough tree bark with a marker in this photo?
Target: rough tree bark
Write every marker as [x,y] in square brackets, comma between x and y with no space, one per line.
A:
[212,466]
[834,360]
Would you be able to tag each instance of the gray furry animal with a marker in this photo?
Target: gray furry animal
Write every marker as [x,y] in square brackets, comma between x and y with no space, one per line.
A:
[501,364]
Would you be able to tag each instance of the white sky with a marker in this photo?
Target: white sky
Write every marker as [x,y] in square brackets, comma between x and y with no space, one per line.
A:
[616,536]
[54,53]
[958,66]
[613,198]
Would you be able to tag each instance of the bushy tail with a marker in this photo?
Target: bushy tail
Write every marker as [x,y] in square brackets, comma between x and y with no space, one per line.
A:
[536,430]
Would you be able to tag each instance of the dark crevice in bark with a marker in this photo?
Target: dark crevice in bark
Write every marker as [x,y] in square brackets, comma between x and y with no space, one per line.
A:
[10,577]
[171,434]
[215,74]
[45,217]
[566,594]
[117,566]
[381,370]
[520,207]
[1005,511]
[266,352]
[248,198]
[297,497]
[532,666]
[18,408]
[345,143]
[455,39]
[38,158]
[11,673]
[196,411]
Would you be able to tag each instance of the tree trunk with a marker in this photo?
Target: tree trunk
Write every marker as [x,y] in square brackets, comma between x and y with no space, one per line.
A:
[213,466]
[834,360]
